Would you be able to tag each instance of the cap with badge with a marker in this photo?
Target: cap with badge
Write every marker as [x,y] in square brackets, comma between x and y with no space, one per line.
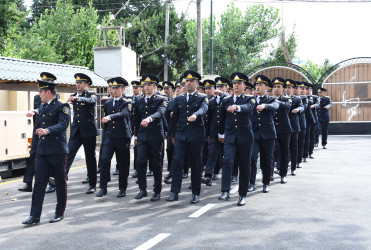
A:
[117,82]
[168,84]
[279,80]
[46,76]
[221,81]
[150,78]
[300,84]
[322,90]
[47,81]
[230,86]
[191,75]
[290,82]
[201,85]
[160,87]
[239,77]
[262,79]
[135,84]
[208,83]
[80,77]
[178,84]
[308,85]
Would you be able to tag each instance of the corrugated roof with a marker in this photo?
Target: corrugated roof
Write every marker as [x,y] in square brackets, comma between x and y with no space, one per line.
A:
[29,71]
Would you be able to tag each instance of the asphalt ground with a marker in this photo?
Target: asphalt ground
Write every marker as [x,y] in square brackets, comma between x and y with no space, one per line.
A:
[326,206]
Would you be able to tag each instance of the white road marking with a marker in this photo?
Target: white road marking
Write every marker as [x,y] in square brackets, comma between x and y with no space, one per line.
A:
[150,243]
[234,190]
[202,210]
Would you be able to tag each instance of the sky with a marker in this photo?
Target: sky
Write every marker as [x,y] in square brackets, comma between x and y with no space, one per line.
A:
[333,30]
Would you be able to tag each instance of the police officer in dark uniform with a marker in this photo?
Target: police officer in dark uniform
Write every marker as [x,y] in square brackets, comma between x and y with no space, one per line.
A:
[314,109]
[283,125]
[295,110]
[264,132]
[84,127]
[300,88]
[137,93]
[310,122]
[323,114]
[116,135]
[235,131]
[30,169]
[188,135]
[169,91]
[149,133]
[51,152]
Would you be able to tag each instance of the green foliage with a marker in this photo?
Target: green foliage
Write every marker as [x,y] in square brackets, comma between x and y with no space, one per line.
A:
[317,70]
[276,55]
[239,39]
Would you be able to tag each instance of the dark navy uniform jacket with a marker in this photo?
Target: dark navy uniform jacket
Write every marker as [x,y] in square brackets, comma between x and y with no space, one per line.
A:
[315,109]
[324,114]
[119,127]
[154,108]
[55,118]
[84,115]
[213,117]
[309,118]
[294,118]
[181,128]
[282,120]
[169,119]
[263,122]
[302,120]
[237,127]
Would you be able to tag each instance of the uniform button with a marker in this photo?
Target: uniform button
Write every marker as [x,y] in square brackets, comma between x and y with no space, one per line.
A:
[187,111]
[146,107]
[187,106]
[43,138]
[236,126]
[218,121]
[217,116]
[217,111]
[259,125]
[113,121]
[234,113]
[43,122]
[235,120]
[43,115]
[113,127]
[259,118]
[276,118]
[78,115]
[276,123]
[276,112]
[77,109]
[78,121]
[113,111]
[187,123]
[57,138]
[146,112]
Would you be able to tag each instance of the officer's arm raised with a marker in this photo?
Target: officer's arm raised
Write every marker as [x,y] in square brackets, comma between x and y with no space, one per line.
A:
[63,120]
[203,108]
[91,99]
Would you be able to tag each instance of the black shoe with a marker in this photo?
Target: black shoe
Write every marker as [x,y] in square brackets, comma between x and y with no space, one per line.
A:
[31,220]
[241,201]
[215,177]
[311,157]
[324,147]
[194,199]
[265,188]
[283,180]
[26,188]
[299,165]
[305,160]
[185,176]
[121,194]
[85,181]
[224,196]
[207,181]
[168,181]
[277,171]
[141,194]
[136,182]
[98,171]
[167,177]
[251,188]
[293,172]
[190,186]
[90,190]
[52,181]
[316,145]
[155,197]
[56,219]
[50,189]
[135,174]
[102,191]
[116,172]
[150,173]
[234,178]
[172,197]
[272,178]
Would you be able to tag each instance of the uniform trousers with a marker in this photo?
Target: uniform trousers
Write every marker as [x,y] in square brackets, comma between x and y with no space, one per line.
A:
[294,150]
[284,142]
[324,128]
[265,147]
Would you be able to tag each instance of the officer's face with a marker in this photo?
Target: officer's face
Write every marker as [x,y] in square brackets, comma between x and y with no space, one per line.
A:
[230,91]
[321,94]
[248,91]
[42,95]
[302,90]
[209,91]
[117,92]
[261,88]
[168,91]
[136,90]
[296,91]
[81,86]
[222,88]
[308,91]
[278,89]
[110,90]
[289,90]
[149,88]
[178,90]
[191,85]
[200,90]
[238,87]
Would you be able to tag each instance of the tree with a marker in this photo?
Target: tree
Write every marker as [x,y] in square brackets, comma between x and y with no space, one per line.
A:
[317,70]
[276,55]
[239,39]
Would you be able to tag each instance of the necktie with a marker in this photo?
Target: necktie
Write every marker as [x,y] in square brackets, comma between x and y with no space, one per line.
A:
[258,99]
[189,97]
[146,99]
[45,105]
[114,102]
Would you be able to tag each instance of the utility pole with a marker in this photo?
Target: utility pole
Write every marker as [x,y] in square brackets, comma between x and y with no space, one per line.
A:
[211,37]
[199,38]
[166,66]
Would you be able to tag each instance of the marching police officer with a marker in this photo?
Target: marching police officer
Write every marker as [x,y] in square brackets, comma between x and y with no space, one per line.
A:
[137,93]
[188,135]
[323,114]
[116,136]
[313,130]
[235,131]
[149,133]
[283,125]
[300,91]
[264,132]
[51,152]
[310,121]
[295,110]
[84,127]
